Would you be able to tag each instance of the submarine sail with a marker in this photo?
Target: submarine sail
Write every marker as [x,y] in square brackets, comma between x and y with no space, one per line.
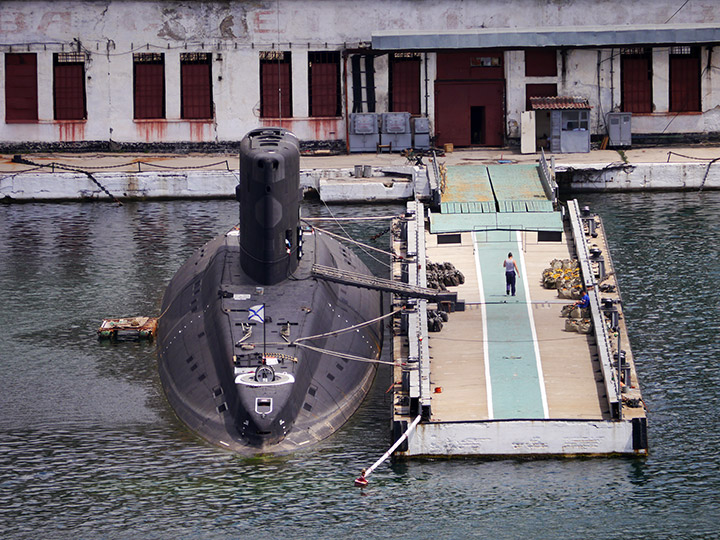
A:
[253,351]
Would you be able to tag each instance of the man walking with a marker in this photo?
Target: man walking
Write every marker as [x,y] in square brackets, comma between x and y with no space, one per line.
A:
[511,272]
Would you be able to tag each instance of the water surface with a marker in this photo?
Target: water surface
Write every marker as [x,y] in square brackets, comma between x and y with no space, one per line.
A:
[89,447]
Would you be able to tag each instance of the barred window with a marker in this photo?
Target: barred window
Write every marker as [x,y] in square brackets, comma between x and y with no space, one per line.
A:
[69,96]
[685,79]
[149,85]
[636,79]
[275,84]
[324,83]
[405,82]
[196,86]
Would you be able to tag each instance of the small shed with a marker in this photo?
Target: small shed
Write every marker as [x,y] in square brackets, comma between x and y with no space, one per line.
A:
[569,122]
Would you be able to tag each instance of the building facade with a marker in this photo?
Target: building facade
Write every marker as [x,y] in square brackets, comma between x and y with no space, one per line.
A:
[207,72]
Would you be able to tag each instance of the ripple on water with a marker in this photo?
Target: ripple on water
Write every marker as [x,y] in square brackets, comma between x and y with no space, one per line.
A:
[90,448]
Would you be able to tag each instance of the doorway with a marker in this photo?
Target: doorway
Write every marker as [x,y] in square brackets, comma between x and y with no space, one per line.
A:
[477,125]
[469,113]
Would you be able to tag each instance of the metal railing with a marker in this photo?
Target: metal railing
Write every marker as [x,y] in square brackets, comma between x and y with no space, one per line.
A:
[610,377]
[547,179]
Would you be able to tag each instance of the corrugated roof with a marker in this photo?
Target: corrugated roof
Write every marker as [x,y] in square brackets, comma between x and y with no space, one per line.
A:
[559,102]
[555,36]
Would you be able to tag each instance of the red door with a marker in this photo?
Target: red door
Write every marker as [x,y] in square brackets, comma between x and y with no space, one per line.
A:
[469,113]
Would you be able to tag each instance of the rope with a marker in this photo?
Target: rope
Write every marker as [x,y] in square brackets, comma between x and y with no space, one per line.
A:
[362,246]
[707,171]
[227,165]
[345,355]
[68,168]
[14,174]
[349,328]
[347,218]
[65,166]
[362,481]
[356,242]
[689,157]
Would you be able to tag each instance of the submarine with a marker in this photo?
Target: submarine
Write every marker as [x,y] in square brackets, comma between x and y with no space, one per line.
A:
[255,353]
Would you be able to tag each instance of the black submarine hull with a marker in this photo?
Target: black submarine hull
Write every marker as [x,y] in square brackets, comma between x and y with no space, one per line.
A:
[279,385]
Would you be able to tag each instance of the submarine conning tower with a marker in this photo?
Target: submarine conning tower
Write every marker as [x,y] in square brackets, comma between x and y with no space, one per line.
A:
[269,197]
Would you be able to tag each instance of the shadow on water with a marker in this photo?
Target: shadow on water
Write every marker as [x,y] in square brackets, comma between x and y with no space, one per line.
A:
[90,448]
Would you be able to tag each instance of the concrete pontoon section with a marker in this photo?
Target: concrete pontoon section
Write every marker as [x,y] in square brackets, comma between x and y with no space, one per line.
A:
[504,375]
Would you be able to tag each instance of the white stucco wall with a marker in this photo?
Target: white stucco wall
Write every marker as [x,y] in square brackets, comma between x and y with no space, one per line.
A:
[235,31]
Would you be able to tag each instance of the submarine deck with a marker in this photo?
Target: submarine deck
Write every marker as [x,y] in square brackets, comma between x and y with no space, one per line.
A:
[503,376]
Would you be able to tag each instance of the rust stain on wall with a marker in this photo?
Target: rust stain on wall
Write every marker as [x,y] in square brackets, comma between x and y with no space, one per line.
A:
[197,131]
[286,123]
[151,130]
[71,131]
[325,128]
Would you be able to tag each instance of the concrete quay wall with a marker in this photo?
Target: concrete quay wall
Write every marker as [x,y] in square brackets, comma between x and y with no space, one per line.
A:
[339,184]
[521,438]
[332,185]
[621,176]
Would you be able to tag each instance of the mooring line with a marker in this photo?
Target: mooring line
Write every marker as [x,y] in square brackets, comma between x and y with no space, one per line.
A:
[362,479]
[18,159]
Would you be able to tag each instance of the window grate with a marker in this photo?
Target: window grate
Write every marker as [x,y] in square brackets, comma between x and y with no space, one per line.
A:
[324,83]
[275,84]
[148,58]
[196,101]
[195,58]
[69,58]
[149,85]
[405,83]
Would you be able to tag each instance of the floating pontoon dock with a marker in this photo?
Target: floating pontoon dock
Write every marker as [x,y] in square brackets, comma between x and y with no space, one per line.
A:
[504,377]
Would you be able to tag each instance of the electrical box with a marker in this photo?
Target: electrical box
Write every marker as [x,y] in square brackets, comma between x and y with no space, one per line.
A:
[395,131]
[421,133]
[619,132]
[364,131]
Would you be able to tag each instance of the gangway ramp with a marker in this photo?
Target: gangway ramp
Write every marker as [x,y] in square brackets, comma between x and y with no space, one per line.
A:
[495,197]
[381,284]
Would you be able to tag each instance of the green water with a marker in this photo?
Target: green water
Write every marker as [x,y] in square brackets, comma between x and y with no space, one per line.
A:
[90,449]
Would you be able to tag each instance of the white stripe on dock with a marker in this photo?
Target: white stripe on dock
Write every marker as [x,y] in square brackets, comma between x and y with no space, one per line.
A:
[536,347]
[483,310]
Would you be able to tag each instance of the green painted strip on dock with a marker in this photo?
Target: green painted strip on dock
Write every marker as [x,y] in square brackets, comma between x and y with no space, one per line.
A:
[522,221]
[472,207]
[513,364]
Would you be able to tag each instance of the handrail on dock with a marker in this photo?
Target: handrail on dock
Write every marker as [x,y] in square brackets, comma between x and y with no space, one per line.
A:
[419,347]
[547,179]
[601,336]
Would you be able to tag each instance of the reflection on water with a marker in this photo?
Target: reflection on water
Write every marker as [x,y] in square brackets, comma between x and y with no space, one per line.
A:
[90,448]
